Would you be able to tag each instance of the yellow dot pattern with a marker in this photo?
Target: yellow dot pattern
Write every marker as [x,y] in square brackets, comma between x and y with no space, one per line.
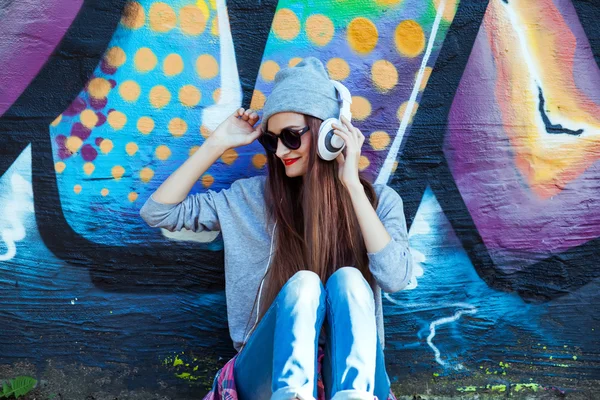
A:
[159,96]
[131,148]
[294,61]
[360,108]
[258,100]
[145,125]
[384,75]
[286,25]
[56,120]
[162,152]
[379,140]
[177,127]
[116,119]
[172,64]
[189,95]
[362,35]
[88,118]
[115,57]
[268,70]
[207,66]
[130,91]
[402,110]
[146,174]
[319,29]
[338,69]
[145,60]
[117,172]
[162,17]
[73,143]
[106,146]
[217,95]
[59,167]
[207,180]
[259,161]
[409,38]
[191,20]
[229,156]
[104,192]
[98,88]
[88,168]
[133,15]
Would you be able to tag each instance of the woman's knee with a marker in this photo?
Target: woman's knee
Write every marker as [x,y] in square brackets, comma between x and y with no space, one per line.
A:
[349,282]
[304,285]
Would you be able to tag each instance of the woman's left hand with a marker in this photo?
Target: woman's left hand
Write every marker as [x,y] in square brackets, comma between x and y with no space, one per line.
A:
[349,157]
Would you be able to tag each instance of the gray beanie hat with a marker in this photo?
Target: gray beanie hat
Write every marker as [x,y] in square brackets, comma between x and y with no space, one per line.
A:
[304,88]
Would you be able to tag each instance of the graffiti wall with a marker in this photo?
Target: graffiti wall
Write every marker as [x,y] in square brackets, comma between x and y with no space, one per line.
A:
[483,115]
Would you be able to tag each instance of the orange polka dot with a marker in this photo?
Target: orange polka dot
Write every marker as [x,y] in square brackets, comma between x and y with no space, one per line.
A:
[362,35]
[162,17]
[133,15]
[319,29]
[191,20]
[258,100]
[229,156]
[409,38]
[207,180]
[207,66]
[259,161]
[98,88]
[286,24]
[115,57]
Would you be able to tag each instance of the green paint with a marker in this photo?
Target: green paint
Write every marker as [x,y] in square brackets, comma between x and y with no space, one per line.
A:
[436,374]
[522,386]
[497,388]
[574,357]
[467,389]
[177,361]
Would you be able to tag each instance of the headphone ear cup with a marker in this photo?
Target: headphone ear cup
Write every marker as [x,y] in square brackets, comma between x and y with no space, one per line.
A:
[329,145]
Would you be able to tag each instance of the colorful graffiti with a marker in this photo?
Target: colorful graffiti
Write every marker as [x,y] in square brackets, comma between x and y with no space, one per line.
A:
[482,115]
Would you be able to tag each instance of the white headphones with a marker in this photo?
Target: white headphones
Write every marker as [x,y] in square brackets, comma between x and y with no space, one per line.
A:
[330,145]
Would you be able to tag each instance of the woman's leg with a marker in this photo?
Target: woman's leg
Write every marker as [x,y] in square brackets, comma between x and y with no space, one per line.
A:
[279,361]
[353,366]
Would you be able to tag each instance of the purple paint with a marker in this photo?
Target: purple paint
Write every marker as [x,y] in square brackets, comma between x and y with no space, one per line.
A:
[101,119]
[80,131]
[77,106]
[31,30]
[88,153]
[98,104]
[106,68]
[517,227]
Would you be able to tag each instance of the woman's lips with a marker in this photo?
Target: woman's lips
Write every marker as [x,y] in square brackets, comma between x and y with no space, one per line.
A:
[290,162]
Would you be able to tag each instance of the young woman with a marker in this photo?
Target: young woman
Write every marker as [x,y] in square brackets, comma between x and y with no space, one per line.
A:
[308,249]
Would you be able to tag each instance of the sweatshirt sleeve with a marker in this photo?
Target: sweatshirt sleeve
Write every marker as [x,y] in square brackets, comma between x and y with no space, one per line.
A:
[197,212]
[392,265]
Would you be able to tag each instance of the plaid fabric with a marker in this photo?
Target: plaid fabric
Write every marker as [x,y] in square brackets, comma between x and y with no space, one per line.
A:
[224,384]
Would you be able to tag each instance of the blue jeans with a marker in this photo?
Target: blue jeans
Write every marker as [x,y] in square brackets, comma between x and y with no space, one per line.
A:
[279,361]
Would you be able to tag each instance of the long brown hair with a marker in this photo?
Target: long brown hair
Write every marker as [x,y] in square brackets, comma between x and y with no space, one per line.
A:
[317,228]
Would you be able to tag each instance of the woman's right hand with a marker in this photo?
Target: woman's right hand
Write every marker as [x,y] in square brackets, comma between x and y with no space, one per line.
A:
[237,130]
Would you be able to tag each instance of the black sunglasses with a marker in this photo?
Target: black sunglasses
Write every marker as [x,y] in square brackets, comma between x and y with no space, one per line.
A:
[290,138]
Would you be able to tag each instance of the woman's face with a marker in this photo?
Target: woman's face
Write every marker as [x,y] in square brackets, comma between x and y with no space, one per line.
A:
[294,121]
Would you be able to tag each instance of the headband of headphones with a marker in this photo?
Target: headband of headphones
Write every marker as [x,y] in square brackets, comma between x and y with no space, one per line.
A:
[346,97]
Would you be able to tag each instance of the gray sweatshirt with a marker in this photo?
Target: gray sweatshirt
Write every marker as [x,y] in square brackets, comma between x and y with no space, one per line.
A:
[239,213]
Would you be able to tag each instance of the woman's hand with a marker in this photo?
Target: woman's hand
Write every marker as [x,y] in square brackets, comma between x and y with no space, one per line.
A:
[349,157]
[237,130]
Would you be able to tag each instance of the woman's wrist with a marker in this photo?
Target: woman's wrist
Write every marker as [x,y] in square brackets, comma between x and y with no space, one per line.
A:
[215,146]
